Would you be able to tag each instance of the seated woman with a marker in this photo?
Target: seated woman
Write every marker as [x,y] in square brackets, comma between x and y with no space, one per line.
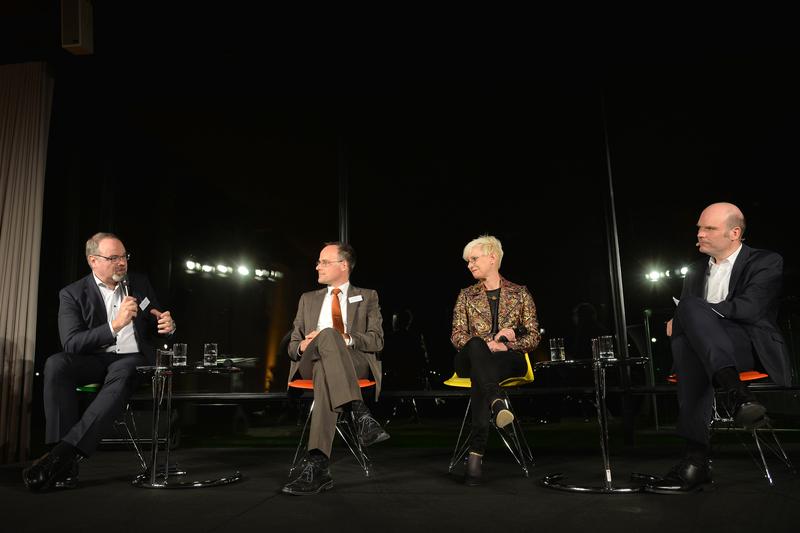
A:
[494,324]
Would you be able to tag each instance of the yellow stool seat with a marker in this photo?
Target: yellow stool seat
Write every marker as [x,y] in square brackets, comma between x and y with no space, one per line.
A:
[515,381]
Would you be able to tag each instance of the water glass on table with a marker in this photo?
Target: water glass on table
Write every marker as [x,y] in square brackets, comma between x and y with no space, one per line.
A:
[179,354]
[163,359]
[210,354]
[557,349]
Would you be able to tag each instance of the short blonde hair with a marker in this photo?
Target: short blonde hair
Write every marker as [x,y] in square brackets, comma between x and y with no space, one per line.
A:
[489,245]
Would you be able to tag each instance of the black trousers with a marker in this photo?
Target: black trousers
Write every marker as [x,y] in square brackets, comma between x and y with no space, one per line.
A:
[486,369]
[702,344]
[64,372]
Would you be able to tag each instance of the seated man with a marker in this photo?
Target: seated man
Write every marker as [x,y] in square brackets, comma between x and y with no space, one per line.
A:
[337,333]
[104,321]
[727,311]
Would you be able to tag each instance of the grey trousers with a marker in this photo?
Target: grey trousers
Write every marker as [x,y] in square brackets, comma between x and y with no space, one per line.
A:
[64,372]
[335,370]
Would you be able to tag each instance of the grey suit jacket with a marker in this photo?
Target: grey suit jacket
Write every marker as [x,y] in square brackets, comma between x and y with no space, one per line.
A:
[364,325]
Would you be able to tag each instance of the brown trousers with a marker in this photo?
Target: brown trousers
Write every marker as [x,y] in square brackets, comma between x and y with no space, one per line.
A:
[335,369]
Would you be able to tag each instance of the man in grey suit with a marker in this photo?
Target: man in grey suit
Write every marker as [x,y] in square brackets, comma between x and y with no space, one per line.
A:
[336,337]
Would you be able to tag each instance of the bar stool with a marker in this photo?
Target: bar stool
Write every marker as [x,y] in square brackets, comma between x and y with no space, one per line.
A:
[514,439]
[346,427]
[121,423]
[722,419]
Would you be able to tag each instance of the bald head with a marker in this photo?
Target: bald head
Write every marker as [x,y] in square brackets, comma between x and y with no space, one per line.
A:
[720,230]
[730,213]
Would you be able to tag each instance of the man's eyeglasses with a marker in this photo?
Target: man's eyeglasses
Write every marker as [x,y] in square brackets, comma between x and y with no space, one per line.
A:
[325,262]
[115,258]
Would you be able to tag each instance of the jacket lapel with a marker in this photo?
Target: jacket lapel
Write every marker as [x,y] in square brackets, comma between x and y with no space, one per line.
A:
[94,299]
[352,307]
[479,302]
[314,309]
[736,271]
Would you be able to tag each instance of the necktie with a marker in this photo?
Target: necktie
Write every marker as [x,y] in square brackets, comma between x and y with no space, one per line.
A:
[336,312]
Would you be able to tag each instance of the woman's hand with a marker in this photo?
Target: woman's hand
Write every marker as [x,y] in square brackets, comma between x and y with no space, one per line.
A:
[508,333]
[495,346]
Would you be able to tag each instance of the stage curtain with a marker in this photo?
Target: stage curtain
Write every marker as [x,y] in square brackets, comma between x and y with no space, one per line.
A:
[26,92]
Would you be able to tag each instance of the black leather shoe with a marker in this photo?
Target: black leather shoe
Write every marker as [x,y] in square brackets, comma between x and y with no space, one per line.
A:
[68,480]
[45,471]
[685,477]
[748,412]
[473,473]
[313,479]
[500,414]
[370,432]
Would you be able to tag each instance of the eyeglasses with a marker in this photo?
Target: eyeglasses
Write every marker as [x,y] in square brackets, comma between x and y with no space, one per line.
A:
[474,259]
[115,258]
[325,262]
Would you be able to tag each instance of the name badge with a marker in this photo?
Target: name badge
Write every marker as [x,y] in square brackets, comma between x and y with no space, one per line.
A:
[144,303]
[354,299]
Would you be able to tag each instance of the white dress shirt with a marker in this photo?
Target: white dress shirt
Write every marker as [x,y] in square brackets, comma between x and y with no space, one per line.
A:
[325,315]
[719,277]
[126,340]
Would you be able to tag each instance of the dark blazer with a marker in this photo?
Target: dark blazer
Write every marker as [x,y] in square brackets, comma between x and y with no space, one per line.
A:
[83,321]
[753,301]
[472,316]
[364,325]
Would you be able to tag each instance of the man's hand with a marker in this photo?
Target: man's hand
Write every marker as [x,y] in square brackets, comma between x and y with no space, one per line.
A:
[495,346]
[508,333]
[127,312]
[669,328]
[305,342]
[165,323]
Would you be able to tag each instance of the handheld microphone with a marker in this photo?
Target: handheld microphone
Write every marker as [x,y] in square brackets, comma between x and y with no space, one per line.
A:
[126,289]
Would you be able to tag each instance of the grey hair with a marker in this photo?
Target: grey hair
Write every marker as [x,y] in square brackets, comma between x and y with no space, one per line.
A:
[93,244]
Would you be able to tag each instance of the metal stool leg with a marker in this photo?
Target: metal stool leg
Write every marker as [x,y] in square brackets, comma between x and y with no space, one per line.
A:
[460,448]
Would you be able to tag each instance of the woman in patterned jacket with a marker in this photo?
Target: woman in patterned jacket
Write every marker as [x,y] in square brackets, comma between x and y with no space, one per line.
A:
[494,324]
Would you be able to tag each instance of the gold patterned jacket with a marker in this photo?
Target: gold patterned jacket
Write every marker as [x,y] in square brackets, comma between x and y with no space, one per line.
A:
[472,316]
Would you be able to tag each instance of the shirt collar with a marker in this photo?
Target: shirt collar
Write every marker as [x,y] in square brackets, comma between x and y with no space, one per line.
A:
[730,259]
[102,284]
[343,287]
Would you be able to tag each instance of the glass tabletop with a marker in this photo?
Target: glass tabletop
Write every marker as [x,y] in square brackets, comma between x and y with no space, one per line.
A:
[190,369]
[605,361]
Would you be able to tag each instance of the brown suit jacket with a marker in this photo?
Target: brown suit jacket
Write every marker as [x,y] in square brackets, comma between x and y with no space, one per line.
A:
[364,325]
[472,316]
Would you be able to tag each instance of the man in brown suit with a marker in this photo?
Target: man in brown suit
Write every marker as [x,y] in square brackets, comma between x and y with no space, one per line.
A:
[337,334]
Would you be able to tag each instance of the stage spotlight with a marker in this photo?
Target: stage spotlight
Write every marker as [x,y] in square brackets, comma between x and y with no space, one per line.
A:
[190,265]
[222,269]
[653,340]
[208,268]
[653,276]
[684,271]
[243,271]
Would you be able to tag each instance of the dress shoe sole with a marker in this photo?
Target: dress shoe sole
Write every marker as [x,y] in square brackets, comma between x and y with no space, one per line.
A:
[382,436]
[470,481]
[751,415]
[322,488]
[504,417]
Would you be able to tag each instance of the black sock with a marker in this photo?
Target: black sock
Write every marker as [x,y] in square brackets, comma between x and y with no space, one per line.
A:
[318,456]
[697,452]
[65,450]
[728,379]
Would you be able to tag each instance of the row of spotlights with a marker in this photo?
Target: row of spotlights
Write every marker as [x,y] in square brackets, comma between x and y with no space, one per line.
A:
[225,270]
[655,275]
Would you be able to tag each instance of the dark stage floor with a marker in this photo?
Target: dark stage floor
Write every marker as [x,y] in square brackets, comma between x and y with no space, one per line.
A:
[410,488]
